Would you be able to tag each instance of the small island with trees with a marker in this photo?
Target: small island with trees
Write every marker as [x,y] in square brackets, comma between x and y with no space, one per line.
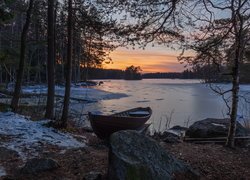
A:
[133,73]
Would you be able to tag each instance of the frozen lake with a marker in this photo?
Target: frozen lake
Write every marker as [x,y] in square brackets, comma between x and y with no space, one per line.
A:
[182,101]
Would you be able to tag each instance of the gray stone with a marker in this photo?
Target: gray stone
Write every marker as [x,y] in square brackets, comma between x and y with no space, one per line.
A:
[210,127]
[37,165]
[170,137]
[7,154]
[135,156]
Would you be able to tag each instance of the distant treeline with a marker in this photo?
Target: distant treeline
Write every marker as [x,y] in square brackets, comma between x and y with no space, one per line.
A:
[96,73]
[203,73]
[187,74]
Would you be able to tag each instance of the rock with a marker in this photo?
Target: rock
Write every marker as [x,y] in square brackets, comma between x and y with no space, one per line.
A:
[135,156]
[170,137]
[37,165]
[93,176]
[209,128]
[178,128]
[88,129]
[7,154]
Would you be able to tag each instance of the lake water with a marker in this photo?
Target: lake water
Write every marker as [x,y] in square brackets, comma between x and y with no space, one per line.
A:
[179,102]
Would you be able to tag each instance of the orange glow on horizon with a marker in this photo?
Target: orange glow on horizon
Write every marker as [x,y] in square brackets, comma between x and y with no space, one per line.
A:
[149,60]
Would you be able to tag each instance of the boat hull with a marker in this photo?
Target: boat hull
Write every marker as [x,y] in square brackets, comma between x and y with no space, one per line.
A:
[104,126]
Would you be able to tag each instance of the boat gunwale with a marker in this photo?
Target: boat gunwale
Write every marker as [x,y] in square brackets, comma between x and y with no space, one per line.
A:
[130,117]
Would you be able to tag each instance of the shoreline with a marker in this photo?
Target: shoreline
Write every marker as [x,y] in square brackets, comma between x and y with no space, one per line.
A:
[76,161]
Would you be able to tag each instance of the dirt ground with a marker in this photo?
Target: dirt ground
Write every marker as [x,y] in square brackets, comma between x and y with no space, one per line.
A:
[213,161]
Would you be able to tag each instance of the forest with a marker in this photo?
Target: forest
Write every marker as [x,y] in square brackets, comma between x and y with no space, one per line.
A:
[51,49]
[90,44]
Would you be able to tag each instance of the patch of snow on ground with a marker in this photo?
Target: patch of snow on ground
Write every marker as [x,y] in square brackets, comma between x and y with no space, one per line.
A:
[2,171]
[28,135]
[221,125]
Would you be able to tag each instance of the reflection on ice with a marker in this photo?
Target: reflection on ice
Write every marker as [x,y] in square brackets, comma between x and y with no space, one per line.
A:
[190,100]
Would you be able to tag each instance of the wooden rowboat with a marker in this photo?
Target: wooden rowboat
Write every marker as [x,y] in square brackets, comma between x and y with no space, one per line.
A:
[105,125]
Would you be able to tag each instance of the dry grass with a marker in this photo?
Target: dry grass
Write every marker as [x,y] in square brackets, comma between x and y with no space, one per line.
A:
[164,122]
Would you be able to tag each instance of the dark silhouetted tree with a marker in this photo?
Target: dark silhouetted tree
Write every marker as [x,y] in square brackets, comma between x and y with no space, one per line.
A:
[51,61]
[64,118]
[19,78]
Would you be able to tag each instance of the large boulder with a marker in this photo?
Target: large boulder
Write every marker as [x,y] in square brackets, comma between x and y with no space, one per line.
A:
[210,127]
[135,156]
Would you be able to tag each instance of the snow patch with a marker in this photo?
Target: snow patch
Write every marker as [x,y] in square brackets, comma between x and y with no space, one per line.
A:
[2,171]
[221,125]
[30,135]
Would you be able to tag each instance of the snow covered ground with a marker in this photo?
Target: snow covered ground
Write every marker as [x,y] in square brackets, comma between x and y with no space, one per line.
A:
[27,136]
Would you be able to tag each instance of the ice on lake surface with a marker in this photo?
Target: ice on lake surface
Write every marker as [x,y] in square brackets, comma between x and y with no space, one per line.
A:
[77,92]
[187,100]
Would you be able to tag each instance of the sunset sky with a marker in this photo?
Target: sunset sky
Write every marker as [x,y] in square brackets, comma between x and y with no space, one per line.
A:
[152,59]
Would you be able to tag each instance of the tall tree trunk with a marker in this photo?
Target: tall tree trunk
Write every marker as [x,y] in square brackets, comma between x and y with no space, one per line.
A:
[68,68]
[29,66]
[1,74]
[78,65]
[51,61]
[74,59]
[234,110]
[239,48]
[19,77]
[10,79]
